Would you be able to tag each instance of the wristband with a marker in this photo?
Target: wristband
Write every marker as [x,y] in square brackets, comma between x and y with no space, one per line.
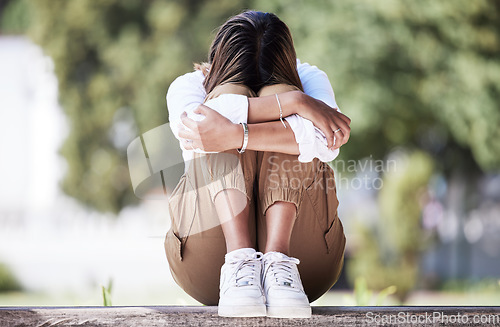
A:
[245,138]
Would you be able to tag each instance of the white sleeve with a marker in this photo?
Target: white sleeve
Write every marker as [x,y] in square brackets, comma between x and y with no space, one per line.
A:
[311,140]
[233,106]
[186,93]
[316,84]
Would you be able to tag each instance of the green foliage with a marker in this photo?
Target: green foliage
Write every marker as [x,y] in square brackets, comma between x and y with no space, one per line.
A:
[15,17]
[418,74]
[388,253]
[8,282]
[383,294]
[485,285]
[422,74]
[106,293]
[114,61]
[362,296]
[414,75]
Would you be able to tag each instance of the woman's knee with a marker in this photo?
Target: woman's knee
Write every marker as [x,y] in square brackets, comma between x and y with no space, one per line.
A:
[228,170]
[286,170]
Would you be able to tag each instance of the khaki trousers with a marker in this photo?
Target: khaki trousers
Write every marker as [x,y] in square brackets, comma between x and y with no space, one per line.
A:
[195,244]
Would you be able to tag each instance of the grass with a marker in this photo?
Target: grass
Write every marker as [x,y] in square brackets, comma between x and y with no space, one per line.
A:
[8,282]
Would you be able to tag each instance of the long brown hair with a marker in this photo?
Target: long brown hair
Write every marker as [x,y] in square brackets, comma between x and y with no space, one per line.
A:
[255,49]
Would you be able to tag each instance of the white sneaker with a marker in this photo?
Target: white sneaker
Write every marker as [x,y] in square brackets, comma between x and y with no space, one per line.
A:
[283,288]
[241,293]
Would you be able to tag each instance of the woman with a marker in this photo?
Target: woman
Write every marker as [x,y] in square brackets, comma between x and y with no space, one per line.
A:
[255,177]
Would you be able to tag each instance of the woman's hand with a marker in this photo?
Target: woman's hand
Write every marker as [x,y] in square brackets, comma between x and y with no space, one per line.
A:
[331,122]
[215,133]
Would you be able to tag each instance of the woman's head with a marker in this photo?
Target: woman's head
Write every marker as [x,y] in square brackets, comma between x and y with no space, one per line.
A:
[252,48]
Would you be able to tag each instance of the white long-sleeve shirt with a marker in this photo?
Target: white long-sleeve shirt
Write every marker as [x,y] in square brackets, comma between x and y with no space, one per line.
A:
[186,93]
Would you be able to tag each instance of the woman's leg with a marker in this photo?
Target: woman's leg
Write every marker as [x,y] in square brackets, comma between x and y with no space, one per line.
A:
[317,238]
[210,210]
[235,222]
[195,245]
[280,215]
[240,278]
[280,218]
[312,232]
[231,204]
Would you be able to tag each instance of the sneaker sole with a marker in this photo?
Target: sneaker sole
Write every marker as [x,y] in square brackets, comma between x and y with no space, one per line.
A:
[289,312]
[242,311]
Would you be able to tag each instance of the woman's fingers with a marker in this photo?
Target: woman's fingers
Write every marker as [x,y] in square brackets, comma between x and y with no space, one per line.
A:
[340,137]
[186,145]
[345,130]
[187,134]
[346,119]
[202,110]
[330,137]
[337,133]
[191,145]
[340,126]
[188,122]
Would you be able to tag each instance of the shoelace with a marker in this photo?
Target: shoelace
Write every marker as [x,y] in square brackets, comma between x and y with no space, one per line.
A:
[245,271]
[281,270]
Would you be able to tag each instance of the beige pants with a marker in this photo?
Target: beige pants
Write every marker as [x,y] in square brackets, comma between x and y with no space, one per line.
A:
[195,244]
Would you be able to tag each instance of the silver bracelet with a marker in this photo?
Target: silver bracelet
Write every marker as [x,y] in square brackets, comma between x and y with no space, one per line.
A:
[281,110]
[245,138]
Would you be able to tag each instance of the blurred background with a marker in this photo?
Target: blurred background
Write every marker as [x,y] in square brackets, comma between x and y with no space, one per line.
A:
[418,182]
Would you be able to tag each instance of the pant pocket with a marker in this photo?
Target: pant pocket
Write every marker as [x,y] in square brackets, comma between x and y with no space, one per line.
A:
[173,246]
[182,206]
[335,237]
[322,196]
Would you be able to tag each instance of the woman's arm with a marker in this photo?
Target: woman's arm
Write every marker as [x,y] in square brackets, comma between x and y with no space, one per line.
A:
[272,137]
[324,117]
[186,93]
[264,109]
[215,133]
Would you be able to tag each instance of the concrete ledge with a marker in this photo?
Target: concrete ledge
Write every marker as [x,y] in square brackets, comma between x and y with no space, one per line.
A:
[207,316]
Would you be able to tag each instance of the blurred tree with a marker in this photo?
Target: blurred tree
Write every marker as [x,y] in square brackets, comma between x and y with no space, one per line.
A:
[114,61]
[14,16]
[389,253]
[412,74]
[421,74]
